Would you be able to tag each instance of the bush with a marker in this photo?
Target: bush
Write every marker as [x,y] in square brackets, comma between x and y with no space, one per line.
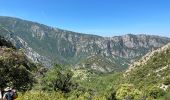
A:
[167,81]
[127,92]
[15,70]
[155,92]
[41,95]
[60,79]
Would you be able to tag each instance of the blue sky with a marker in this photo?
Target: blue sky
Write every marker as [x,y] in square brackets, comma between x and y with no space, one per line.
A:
[101,17]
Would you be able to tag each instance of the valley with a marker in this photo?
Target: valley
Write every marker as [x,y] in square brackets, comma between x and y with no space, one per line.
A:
[48,45]
[55,64]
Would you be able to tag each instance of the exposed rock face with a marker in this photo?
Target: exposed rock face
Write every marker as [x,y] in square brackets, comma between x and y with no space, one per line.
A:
[151,69]
[31,54]
[147,57]
[21,44]
[66,47]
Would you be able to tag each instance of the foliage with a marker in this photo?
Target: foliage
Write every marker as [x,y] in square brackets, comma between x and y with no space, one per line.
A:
[104,64]
[150,76]
[97,84]
[128,91]
[166,96]
[3,42]
[59,79]
[166,81]
[15,69]
[63,83]
[41,95]
[155,92]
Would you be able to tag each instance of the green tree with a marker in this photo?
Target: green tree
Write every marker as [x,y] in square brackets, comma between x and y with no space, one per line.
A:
[155,92]
[15,70]
[59,78]
[128,92]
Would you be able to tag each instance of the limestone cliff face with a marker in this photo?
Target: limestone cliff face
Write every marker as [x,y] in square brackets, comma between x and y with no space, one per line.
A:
[144,60]
[122,50]
[21,44]
[53,45]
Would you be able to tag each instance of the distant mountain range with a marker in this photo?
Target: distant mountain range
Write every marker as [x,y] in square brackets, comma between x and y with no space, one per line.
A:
[48,45]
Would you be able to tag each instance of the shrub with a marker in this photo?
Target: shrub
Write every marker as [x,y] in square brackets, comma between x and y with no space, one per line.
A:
[15,70]
[60,79]
[167,81]
[41,95]
[127,91]
[155,92]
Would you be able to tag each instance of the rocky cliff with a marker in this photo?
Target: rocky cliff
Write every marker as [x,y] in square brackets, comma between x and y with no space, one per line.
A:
[52,45]
[153,69]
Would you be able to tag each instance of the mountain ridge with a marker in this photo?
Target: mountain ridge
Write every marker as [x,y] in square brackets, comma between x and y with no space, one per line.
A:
[66,47]
[151,73]
[147,57]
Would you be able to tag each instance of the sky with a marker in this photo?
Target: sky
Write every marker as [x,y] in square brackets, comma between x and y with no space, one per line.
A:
[99,17]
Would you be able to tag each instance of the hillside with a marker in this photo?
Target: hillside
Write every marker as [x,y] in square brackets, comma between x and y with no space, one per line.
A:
[15,68]
[102,63]
[50,45]
[147,79]
[152,72]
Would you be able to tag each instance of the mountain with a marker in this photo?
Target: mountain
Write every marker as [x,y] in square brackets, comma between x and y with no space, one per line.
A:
[151,72]
[50,45]
[151,55]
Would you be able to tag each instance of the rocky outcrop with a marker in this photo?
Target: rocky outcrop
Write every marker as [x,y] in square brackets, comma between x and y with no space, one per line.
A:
[153,69]
[147,57]
[21,44]
[67,47]
[31,54]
